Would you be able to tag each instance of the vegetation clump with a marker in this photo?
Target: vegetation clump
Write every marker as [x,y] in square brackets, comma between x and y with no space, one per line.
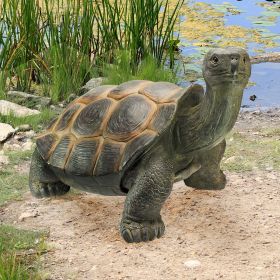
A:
[19,250]
[60,44]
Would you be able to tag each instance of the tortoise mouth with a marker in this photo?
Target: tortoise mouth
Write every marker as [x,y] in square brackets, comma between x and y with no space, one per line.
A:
[227,77]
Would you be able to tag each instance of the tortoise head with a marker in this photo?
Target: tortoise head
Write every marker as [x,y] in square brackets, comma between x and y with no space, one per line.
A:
[223,67]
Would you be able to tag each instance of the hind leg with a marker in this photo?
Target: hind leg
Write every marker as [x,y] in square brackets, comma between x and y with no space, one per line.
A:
[42,180]
[209,176]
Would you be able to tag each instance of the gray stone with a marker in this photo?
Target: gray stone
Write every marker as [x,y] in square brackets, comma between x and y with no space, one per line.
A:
[29,100]
[38,107]
[234,159]
[6,130]
[30,133]
[56,109]
[192,263]
[10,108]
[24,127]
[71,97]
[26,215]
[92,83]
[4,160]
[28,145]
[11,147]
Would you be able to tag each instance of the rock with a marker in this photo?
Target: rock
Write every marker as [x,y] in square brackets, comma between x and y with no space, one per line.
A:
[6,130]
[257,113]
[71,97]
[192,263]
[11,147]
[92,83]
[22,141]
[38,107]
[58,110]
[24,127]
[27,146]
[253,97]
[27,99]
[26,215]
[269,168]
[4,160]
[233,159]
[8,108]
[20,137]
[30,133]
[271,176]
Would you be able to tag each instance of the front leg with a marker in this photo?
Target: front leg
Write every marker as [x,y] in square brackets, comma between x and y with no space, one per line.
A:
[141,219]
[209,176]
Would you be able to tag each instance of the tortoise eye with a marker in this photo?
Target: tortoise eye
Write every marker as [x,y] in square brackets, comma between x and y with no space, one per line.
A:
[244,60]
[214,59]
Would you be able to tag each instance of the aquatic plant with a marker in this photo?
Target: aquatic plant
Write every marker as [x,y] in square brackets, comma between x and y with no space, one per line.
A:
[62,43]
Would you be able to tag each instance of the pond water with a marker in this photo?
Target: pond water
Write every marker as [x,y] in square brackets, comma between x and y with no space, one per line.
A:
[252,24]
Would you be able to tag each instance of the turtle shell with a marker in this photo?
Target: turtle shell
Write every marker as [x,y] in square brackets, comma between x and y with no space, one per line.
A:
[107,128]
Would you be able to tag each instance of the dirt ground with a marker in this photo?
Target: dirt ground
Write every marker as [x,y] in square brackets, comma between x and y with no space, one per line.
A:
[228,234]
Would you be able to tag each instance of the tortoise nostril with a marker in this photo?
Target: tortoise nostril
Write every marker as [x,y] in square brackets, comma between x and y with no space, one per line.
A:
[234,66]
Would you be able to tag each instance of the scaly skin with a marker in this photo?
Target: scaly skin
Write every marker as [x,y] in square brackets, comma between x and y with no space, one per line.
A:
[42,180]
[153,183]
[209,176]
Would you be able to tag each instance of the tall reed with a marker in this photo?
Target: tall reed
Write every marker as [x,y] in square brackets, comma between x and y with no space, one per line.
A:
[62,43]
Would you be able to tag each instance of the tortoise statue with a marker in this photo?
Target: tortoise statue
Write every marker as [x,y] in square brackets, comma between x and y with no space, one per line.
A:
[138,138]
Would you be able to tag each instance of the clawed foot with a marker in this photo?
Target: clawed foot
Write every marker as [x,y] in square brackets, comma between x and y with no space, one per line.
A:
[145,231]
[206,181]
[41,190]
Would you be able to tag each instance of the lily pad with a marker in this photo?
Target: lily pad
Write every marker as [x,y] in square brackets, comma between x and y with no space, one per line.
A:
[227,8]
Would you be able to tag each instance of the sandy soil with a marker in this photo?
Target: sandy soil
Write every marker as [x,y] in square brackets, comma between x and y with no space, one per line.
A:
[228,234]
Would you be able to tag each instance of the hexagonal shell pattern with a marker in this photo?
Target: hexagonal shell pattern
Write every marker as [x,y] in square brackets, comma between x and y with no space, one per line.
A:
[107,128]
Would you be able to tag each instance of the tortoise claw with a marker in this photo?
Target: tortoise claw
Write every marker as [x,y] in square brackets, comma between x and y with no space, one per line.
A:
[144,231]
[49,189]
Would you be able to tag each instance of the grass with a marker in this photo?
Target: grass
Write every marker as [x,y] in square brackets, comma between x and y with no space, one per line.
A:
[62,43]
[19,251]
[120,71]
[11,186]
[250,153]
[35,121]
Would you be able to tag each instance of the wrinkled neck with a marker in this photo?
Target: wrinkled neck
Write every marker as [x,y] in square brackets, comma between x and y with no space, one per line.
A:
[222,103]
[208,124]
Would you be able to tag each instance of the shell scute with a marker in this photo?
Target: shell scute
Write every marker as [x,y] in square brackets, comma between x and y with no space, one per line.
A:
[44,144]
[130,117]
[60,154]
[82,158]
[89,120]
[162,92]
[109,158]
[128,88]
[163,117]
[95,94]
[136,146]
[66,117]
